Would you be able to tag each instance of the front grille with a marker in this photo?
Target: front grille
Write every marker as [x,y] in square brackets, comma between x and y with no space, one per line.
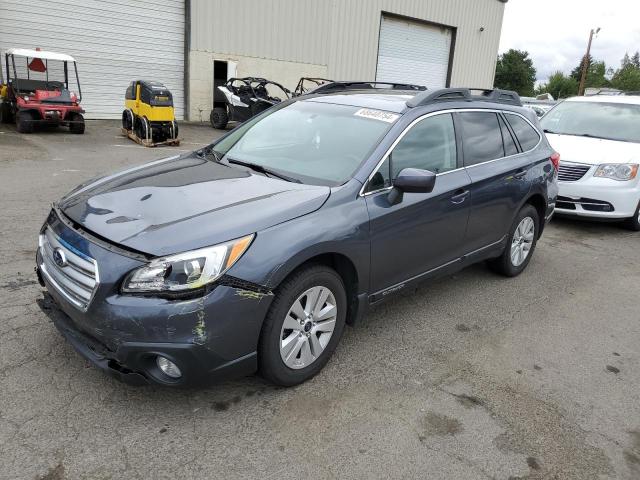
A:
[572,173]
[74,276]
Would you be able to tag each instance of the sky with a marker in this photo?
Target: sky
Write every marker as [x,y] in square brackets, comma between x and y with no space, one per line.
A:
[556,32]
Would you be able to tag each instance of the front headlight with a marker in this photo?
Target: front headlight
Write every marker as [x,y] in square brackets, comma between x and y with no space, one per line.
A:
[617,171]
[186,271]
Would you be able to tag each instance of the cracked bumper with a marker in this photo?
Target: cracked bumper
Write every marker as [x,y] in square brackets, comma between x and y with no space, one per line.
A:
[210,338]
[201,359]
[134,363]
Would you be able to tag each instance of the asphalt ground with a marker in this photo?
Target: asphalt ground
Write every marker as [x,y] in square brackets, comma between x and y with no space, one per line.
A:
[472,376]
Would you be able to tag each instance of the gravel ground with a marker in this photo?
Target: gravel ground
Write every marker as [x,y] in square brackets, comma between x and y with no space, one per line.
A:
[473,376]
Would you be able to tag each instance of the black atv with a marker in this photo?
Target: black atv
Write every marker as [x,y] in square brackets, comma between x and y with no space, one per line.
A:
[245,98]
[309,84]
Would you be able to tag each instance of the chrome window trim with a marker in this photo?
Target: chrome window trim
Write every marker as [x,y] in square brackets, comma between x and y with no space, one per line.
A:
[362,193]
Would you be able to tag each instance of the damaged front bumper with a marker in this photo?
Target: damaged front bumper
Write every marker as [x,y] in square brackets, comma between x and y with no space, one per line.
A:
[210,338]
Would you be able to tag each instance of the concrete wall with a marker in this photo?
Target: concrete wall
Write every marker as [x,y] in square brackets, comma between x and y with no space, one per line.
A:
[333,38]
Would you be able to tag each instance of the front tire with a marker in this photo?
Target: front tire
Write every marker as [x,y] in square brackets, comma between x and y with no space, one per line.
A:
[303,326]
[127,119]
[633,223]
[142,128]
[219,118]
[521,243]
[24,121]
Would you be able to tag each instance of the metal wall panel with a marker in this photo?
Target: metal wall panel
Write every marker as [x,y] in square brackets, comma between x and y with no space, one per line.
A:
[343,34]
[113,41]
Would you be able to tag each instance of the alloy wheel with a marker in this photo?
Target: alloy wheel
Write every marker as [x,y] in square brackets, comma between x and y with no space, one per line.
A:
[522,241]
[308,327]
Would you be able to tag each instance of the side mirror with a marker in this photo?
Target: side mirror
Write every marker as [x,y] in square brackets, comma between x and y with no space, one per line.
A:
[412,180]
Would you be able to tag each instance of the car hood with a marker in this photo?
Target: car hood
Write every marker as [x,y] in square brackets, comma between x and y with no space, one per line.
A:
[594,151]
[182,203]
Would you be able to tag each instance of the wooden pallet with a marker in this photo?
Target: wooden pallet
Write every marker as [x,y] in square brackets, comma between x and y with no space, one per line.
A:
[149,143]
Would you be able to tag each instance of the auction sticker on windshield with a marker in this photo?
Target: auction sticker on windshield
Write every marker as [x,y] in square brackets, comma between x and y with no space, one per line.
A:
[377,115]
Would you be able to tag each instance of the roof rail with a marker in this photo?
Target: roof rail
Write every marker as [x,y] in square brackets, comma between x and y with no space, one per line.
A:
[364,85]
[465,95]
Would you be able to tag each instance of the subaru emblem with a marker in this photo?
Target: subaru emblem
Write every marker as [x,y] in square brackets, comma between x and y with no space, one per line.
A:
[59,257]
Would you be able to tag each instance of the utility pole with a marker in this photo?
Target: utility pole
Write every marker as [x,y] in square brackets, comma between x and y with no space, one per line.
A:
[585,62]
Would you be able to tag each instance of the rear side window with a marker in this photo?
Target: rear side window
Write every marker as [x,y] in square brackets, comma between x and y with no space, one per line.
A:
[429,145]
[481,137]
[509,144]
[527,135]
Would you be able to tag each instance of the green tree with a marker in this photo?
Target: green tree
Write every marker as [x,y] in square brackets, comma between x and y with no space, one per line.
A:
[515,71]
[596,73]
[577,72]
[627,78]
[560,86]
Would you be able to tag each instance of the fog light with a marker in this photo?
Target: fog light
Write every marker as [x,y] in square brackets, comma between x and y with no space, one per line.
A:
[169,368]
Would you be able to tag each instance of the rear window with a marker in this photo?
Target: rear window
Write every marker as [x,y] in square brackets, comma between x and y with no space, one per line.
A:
[527,135]
[481,137]
[509,144]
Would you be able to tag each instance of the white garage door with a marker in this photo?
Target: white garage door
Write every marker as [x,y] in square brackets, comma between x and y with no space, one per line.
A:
[113,41]
[412,52]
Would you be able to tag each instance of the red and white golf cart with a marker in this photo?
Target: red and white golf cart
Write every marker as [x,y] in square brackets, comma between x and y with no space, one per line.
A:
[37,91]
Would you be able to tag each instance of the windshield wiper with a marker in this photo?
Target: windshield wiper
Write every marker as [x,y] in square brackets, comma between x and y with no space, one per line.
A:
[546,130]
[261,169]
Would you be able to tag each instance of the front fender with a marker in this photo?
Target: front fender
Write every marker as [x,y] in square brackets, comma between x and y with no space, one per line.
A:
[341,226]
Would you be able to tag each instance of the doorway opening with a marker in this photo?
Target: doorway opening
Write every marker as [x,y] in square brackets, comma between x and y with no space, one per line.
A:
[220,76]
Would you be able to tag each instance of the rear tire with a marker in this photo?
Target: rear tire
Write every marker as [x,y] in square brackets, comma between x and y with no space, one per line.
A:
[521,243]
[77,124]
[5,113]
[311,348]
[633,223]
[175,130]
[24,121]
[219,118]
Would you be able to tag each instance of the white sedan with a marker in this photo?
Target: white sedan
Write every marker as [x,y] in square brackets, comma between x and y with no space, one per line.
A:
[598,139]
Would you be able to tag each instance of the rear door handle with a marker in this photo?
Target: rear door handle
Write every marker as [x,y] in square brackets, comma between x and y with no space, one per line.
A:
[460,196]
[520,174]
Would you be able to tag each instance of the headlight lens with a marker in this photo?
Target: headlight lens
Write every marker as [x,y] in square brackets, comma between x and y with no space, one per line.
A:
[617,171]
[186,271]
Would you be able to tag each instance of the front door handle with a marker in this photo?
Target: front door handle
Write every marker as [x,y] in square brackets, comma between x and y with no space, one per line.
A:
[460,196]
[520,174]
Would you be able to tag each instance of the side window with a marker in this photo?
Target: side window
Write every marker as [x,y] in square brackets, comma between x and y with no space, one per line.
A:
[130,94]
[429,145]
[527,135]
[507,139]
[381,179]
[145,94]
[481,137]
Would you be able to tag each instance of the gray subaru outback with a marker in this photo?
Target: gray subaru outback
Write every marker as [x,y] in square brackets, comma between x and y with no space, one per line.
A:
[252,253]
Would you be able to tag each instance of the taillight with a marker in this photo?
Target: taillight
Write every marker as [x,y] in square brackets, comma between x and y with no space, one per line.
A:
[555,159]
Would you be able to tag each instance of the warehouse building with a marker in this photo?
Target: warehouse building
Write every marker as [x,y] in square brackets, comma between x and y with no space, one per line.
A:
[190,45]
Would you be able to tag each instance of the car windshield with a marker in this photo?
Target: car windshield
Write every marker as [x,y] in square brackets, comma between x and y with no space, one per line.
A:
[311,142]
[611,121]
